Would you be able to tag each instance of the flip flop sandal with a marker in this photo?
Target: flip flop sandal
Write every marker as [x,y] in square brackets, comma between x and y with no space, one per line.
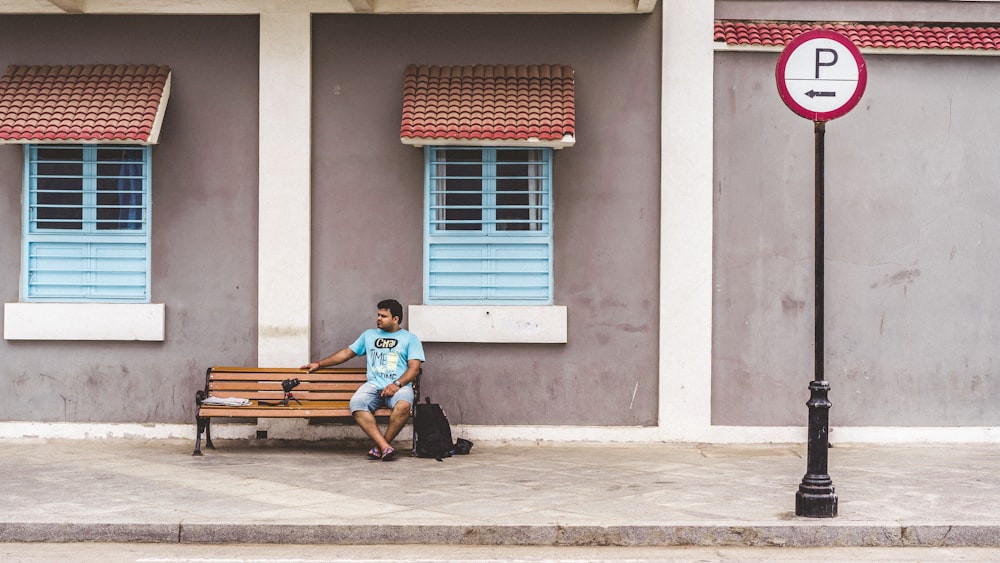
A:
[374,453]
[389,454]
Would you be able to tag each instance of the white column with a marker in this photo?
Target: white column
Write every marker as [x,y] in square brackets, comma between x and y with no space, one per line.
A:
[686,221]
[283,320]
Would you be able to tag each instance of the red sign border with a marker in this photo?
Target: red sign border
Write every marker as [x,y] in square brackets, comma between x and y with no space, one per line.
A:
[779,74]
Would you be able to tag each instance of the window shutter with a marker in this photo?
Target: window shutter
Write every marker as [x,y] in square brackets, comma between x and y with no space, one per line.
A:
[87,223]
[488,230]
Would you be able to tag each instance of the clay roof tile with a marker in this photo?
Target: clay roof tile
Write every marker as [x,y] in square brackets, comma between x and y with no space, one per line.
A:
[872,35]
[83,102]
[487,102]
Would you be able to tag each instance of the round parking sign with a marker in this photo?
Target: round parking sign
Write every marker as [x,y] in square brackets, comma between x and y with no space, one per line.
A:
[821,75]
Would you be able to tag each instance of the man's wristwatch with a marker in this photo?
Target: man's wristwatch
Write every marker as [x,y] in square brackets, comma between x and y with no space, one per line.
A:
[397,383]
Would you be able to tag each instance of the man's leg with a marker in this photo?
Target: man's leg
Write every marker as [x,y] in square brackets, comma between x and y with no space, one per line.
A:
[397,420]
[365,399]
[369,425]
[400,403]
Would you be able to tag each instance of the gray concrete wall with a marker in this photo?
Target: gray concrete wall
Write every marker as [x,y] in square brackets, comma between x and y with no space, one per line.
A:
[204,222]
[912,317]
[368,210]
[367,199]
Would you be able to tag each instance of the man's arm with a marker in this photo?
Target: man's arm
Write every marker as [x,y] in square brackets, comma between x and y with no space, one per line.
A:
[336,358]
[412,370]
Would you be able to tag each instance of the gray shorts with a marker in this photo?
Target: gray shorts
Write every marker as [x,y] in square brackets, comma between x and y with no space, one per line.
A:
[368,398]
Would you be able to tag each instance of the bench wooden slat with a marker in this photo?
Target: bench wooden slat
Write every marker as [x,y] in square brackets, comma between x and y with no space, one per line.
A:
[217,385]
[343,405]
[279,395]
[359,377]
[282,412]
[289,371]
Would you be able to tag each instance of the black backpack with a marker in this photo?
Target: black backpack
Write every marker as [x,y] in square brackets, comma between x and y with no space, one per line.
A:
[433,431]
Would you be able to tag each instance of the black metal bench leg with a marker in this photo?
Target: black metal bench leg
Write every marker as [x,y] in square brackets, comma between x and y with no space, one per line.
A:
[201,424]
[208,434]
[413,412]
[413,428]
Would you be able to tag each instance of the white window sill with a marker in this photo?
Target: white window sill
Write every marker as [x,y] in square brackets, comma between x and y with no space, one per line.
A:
[84,321]
[542,324]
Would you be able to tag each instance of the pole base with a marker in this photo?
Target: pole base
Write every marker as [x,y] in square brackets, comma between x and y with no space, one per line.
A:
[816,502]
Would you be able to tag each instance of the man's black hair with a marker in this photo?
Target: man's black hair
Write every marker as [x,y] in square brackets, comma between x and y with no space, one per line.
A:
[395,309]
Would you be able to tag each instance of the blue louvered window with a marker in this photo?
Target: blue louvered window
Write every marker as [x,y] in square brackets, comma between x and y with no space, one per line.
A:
[86,218]
[488,225]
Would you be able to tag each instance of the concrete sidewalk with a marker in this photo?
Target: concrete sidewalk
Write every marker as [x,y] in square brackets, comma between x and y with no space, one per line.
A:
[271,492]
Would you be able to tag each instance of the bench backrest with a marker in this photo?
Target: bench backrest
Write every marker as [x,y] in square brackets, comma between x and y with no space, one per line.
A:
[264,384]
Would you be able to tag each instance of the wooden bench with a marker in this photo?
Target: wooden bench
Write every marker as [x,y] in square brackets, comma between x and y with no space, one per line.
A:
[324,393]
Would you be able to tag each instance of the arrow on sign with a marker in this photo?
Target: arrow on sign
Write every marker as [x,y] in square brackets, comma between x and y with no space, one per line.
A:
[814,93]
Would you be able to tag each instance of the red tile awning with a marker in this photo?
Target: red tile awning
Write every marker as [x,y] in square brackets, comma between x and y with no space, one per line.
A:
[911,38]
[489,105]
[83,103]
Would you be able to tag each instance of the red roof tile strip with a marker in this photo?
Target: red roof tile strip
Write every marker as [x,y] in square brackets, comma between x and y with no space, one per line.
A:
[83,103]
[864,35]
[489,104]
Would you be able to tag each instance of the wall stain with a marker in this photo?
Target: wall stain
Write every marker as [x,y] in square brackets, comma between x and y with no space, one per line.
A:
[903,277]
[791,305]
[271,331]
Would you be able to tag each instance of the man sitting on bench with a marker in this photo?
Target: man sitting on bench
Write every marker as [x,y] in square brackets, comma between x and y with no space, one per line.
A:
[394,358]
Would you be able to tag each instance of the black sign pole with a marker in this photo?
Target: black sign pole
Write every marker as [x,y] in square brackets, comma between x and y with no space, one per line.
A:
[816,497]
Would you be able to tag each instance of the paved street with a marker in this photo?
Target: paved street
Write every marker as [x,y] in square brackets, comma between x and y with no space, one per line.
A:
[555,495]
[242,553]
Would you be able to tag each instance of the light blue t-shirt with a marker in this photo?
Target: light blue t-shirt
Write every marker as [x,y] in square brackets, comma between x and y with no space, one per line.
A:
[388,353]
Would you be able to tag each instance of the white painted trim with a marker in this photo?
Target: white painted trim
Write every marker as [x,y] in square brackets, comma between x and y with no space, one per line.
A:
[544,324]
[84,321]
[521,435]
[686,168]
[284,240]
[645,6]
[161,110]
[720,46]
[506,7]
[215,7]
[566,141]
[726,434]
